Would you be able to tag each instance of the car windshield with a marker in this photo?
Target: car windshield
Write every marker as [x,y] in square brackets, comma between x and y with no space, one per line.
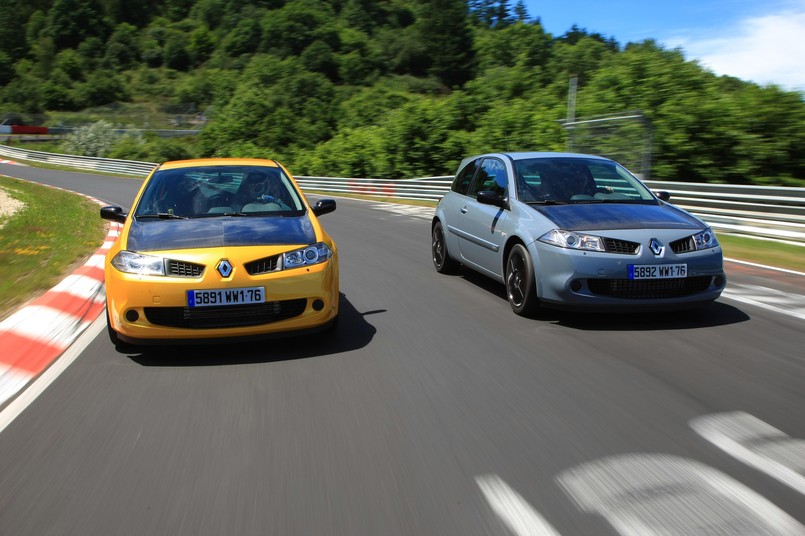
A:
[219,191]
[577,180]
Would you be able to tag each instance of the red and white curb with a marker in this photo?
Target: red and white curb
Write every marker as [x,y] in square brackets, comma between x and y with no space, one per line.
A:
[11,162]
[33,337]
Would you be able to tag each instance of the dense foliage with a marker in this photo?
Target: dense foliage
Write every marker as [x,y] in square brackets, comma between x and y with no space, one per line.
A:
[391,88]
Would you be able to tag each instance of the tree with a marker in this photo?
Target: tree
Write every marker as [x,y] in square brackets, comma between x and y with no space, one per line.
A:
[122,51]
[245,38]
[69,22]
[101,87]
[289,30]
[13,18]
[277,105]
[447,40]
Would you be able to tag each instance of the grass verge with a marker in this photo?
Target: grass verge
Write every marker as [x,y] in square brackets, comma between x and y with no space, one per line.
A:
[40,244]
[763,252]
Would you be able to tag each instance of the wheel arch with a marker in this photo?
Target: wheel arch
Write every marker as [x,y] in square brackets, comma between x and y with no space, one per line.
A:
[510,243]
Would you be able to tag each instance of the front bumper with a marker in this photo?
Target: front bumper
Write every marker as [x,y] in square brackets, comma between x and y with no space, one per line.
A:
[151,309]
[573,279]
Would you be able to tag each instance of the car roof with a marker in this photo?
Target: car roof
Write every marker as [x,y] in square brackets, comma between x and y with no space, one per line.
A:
[197,162]
[527,155]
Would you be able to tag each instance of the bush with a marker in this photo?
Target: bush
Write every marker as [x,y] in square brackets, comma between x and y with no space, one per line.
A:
[96,140]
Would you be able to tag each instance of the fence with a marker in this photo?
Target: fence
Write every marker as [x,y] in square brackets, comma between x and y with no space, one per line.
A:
[107,165]
[770,212]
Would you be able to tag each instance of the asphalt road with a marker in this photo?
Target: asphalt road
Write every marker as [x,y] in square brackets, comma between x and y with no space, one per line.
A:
[433,410]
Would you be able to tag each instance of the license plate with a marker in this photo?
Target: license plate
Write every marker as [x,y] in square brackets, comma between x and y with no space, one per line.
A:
[657,271]
[225,296]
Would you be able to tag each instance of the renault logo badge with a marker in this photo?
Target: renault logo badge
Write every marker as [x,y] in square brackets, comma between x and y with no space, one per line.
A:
[655,246]
[224,268]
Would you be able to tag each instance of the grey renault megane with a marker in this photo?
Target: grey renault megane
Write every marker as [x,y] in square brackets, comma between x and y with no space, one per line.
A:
[574,231]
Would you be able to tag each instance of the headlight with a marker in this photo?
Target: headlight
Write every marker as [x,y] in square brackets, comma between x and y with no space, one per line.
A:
[134,263]
[315,254]
[705,239]
[567,239]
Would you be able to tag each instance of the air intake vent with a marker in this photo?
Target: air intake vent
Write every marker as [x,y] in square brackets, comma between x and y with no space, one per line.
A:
[263,266]
[620,246]
[684,245]
[184,269]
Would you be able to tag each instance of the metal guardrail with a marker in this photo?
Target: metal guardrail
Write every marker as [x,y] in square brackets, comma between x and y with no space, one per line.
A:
[107,165]
[770,212]
[775,213]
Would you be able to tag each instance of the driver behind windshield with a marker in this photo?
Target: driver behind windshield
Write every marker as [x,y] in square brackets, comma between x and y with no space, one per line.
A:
[260,191]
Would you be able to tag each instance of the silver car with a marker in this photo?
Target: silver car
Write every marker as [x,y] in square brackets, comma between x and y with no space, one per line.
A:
[574,231]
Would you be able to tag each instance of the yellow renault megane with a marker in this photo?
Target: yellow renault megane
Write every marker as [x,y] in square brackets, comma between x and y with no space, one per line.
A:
[220,248]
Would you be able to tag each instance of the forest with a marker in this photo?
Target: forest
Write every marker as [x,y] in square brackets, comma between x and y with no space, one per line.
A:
[390,88]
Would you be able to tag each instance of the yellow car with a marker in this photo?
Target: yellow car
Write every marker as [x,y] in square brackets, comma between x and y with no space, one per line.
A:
[219,248]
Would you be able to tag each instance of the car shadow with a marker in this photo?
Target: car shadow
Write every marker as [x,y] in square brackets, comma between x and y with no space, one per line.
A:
[353,332]
[715,314]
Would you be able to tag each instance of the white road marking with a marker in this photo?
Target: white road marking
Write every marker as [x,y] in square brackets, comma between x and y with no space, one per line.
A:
[757,444]
[413,211]
[39,385]
[661,495]
[767,298]
[764,266]
[513,510]
[44,324]
[82,286]
[11,381]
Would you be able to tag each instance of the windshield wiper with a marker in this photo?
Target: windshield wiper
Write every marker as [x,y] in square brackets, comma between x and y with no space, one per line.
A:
[161,216]
[546,202]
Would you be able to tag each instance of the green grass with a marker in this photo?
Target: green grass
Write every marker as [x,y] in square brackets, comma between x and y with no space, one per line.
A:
[763,252]
[53,234]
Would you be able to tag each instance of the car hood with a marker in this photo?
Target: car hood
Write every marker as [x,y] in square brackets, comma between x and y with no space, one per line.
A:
[153,235]
[599,216]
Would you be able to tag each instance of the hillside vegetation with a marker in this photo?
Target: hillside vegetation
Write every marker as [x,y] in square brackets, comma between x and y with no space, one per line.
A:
[390,88]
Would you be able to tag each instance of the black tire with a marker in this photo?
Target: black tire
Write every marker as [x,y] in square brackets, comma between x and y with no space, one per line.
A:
[520,286]
[441,259]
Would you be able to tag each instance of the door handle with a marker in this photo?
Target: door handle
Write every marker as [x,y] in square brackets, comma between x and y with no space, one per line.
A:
[464,210]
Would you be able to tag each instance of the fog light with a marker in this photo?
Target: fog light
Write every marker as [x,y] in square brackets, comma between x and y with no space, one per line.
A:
[132,315]
[318,305]
[575,285]
[718,281]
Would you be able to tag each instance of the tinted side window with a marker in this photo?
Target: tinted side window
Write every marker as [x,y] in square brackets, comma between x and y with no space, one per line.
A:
[492,176]
[462,182]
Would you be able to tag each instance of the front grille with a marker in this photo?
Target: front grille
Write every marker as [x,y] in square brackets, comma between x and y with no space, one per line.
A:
[613,245]
[263,266]
[184,269]
[684,245]
[225,316]
[649,289]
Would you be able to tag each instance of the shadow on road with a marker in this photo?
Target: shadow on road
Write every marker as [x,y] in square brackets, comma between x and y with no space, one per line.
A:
[716,314]
[353,332]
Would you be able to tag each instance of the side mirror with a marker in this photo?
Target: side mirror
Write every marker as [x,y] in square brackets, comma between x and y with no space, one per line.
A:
[488,197]
[664,196]
[324,206]
[113,214]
